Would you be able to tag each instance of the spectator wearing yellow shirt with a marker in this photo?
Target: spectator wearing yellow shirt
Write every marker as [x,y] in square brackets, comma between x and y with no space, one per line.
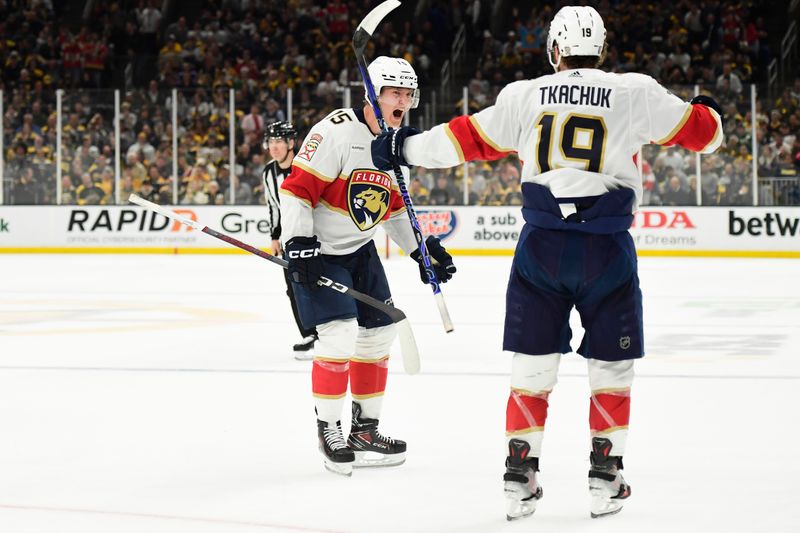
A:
[170,53]
[106,184]
[88,193]
[137,169]
[195,193]
[418,192]
[125,189]
[155,177]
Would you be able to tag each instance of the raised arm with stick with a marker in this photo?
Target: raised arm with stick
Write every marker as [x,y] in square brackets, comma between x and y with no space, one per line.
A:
[422,255]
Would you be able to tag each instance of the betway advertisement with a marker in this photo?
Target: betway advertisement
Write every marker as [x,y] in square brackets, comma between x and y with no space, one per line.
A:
[746,231]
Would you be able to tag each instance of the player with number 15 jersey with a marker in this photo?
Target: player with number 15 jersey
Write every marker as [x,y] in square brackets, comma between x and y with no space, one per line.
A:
[333,201]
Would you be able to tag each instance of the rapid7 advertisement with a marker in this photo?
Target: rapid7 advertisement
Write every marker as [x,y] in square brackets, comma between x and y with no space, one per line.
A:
[466,230]
[128,227]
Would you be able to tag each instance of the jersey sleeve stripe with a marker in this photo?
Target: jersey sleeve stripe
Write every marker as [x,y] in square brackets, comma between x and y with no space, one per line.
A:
[308,186]
[677,128]
[473,141]
[287,192]
[699,131]
[474,122]
[312,171]
[713,139]
[456,145]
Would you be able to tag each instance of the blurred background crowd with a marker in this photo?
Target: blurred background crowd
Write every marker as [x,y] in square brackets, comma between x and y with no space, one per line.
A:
[250,55]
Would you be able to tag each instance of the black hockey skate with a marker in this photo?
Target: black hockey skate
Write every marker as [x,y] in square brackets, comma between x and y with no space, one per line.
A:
[370,447]
[606,484]
[521,486]
[302,350]
[338,457]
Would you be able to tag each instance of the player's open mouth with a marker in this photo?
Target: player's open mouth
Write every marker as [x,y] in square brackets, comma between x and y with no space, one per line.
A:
[397,113]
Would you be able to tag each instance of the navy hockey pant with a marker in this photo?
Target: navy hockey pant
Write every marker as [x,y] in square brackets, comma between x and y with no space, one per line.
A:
[362,270]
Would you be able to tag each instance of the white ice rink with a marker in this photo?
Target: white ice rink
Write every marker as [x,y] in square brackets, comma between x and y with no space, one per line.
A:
[159,394]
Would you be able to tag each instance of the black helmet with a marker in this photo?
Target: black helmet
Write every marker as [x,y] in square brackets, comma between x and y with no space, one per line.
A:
[279,130]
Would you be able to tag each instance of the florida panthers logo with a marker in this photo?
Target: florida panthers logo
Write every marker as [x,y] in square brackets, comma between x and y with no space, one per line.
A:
[368,194]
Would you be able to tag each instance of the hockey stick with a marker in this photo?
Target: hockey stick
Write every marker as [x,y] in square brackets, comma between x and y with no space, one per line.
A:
[360,41]
[408,345]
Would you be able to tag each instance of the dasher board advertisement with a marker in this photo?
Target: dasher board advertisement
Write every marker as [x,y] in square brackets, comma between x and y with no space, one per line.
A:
[688,231]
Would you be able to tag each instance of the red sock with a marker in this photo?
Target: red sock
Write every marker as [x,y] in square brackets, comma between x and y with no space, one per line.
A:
[525,413]
[609,410]
[368,377]
[329,378]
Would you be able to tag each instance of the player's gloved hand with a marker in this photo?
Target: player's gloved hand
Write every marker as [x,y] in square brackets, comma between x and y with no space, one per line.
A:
[387,149]
[707,101]
[441,261]
[305,261]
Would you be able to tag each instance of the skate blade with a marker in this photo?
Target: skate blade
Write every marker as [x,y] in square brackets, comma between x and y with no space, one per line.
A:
[342,469]
[303,356]
[521,502]
[601,506]
[609,513]
[520,509]
[375,459]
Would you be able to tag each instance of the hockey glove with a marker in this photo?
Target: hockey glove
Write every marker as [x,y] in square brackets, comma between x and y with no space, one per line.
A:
[387,149]
[708,102]
[305,261]
[441,261]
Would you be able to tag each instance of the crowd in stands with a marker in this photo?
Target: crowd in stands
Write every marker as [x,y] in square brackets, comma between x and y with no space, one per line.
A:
[260,50]
[720,47]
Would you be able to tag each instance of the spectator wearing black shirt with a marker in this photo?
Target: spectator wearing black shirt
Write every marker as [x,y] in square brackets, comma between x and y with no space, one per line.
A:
[676,193]
[443,193]
[26,190]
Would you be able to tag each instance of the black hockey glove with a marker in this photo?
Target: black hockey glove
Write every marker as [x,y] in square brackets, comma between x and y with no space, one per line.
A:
[708,102]
[441,261]
[387,149]
[305,261]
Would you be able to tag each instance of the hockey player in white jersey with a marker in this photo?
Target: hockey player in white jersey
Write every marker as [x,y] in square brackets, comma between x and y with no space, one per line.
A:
[332,203]
[578,132]
[279,141]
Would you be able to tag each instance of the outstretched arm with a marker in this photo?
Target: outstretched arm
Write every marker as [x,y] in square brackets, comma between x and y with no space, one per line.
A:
[490,134]
[695,125]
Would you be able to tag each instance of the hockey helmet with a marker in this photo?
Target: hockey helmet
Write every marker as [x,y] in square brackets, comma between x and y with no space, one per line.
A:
[279,130]
[393,72]
[578,31]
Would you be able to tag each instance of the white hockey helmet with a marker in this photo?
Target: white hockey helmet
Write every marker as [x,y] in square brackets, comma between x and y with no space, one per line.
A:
[393,72]
[578,31]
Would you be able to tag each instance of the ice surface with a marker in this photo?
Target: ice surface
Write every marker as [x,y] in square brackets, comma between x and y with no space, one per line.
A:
[159,394]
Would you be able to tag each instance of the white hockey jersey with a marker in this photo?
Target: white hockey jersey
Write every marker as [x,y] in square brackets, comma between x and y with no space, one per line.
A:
[576,132]
[336,193]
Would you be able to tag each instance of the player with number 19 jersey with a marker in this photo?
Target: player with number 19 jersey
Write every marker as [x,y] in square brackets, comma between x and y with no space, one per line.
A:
[335,192]
[577,132]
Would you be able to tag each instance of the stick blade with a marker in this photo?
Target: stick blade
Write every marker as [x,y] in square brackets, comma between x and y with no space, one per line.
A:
[408,347]
[443,312]
[375,16]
